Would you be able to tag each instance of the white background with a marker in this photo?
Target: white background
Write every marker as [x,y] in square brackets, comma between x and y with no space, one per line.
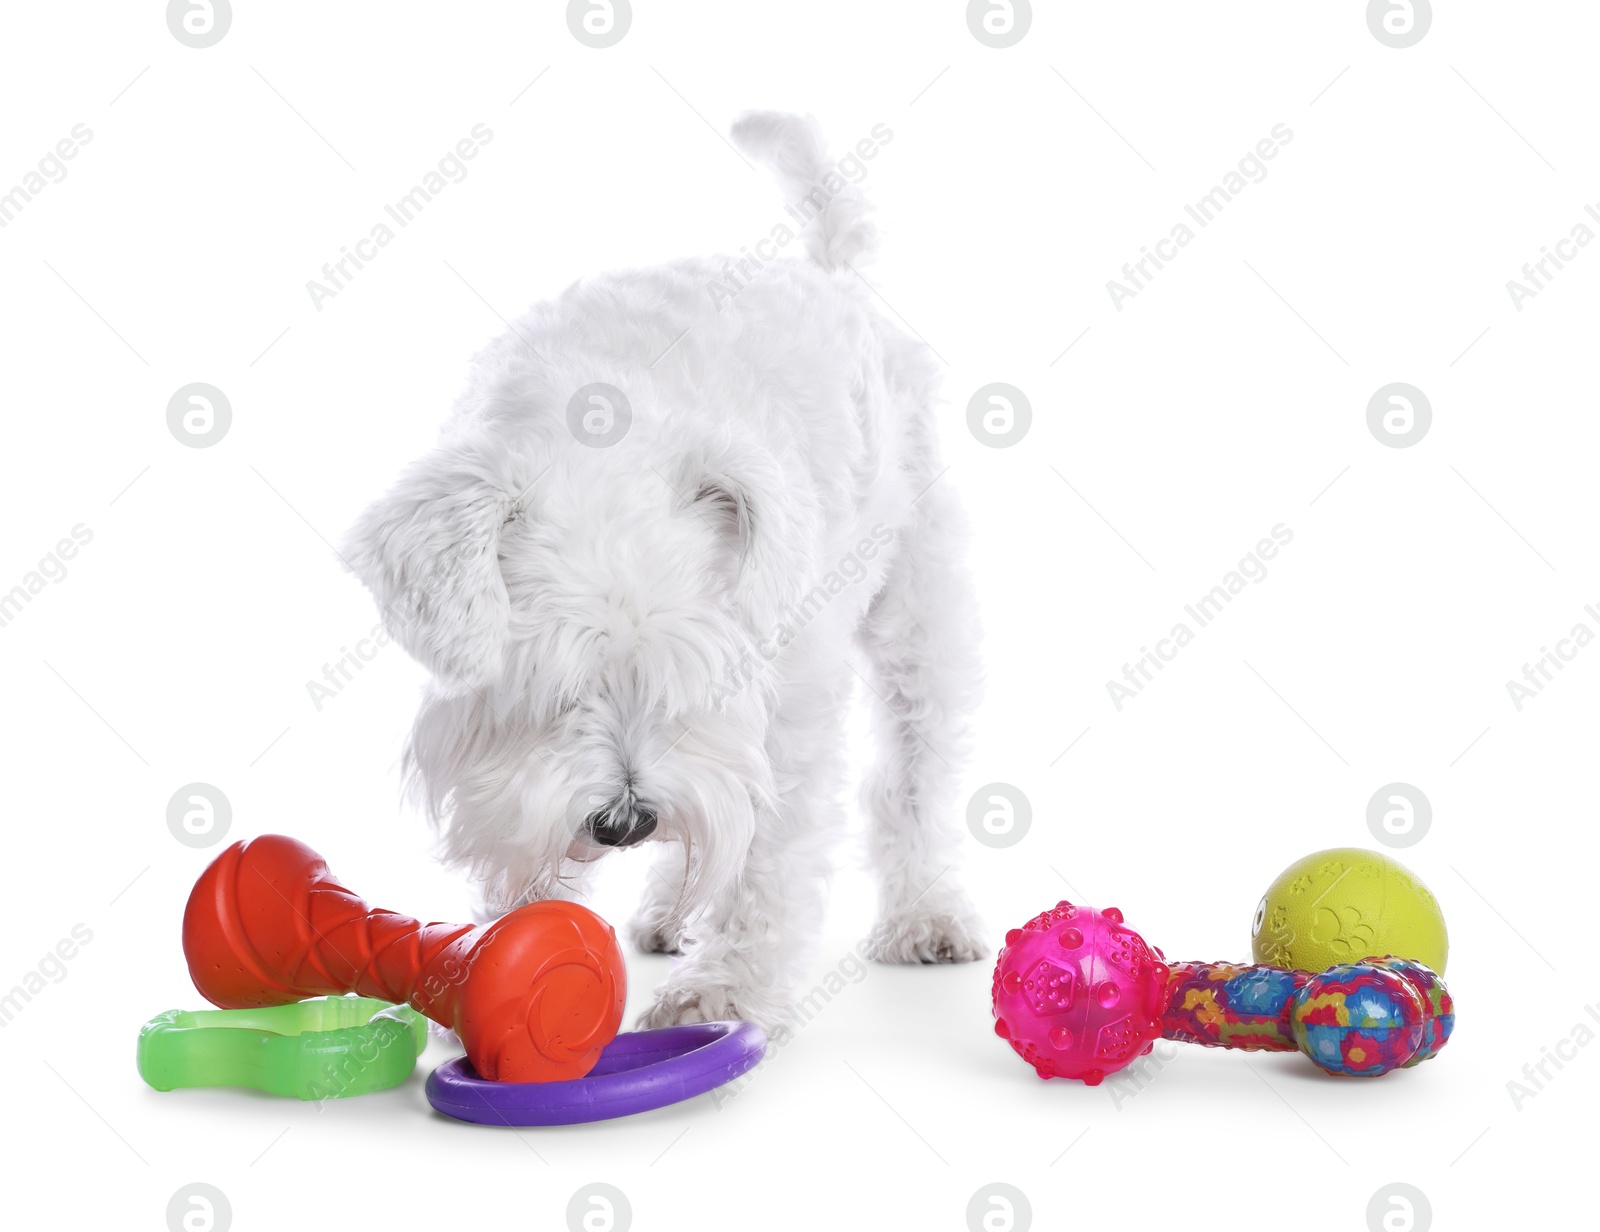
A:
[1174,434]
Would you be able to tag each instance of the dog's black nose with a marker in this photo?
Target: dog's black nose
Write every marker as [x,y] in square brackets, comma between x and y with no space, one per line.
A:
[621,825]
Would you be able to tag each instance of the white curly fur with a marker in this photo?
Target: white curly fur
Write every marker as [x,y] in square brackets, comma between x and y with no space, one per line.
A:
[673,622]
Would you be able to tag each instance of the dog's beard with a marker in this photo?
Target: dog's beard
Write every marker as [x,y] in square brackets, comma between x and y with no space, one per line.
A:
[510,801]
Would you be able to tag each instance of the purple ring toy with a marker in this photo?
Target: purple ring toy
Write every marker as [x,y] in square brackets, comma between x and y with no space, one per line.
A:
[638,1071]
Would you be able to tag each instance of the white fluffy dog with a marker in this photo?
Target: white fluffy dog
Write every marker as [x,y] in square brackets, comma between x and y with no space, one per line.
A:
[672,512]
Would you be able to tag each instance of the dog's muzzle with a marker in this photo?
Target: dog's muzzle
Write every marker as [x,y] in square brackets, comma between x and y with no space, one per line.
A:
[622,823]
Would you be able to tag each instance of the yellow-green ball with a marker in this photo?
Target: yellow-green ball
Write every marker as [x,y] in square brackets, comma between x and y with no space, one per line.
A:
[1344,905]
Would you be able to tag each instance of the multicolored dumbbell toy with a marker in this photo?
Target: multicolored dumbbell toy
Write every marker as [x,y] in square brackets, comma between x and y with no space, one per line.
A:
[1079,994]
[534,996]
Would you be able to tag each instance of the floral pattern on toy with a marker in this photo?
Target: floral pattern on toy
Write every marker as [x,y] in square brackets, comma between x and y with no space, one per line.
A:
[1231,1005]
[1359,1019]
[1439,1010]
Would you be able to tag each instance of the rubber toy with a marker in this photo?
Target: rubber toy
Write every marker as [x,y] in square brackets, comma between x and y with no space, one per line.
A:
[534,996]
[326,1048]
[638,1071]
[1079,994]
[1344,905]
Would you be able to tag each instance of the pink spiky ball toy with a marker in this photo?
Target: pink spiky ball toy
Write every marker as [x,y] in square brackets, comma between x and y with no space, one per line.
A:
[1078,993]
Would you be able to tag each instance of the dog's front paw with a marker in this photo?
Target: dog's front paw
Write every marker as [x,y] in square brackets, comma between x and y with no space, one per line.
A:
[681,1004]
[684,1001]
[945,934]
[652,935]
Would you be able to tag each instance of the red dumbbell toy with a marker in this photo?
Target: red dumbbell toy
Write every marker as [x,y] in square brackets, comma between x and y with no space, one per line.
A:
[534,996]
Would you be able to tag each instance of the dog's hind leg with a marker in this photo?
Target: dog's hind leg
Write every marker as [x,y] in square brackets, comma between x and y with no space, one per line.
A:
[920,637]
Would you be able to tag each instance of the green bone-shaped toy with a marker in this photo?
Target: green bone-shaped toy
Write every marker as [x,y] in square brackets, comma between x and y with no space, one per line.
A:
[324,1048]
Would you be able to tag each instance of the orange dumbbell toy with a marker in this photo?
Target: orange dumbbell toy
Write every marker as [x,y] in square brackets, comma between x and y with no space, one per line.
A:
[534,996]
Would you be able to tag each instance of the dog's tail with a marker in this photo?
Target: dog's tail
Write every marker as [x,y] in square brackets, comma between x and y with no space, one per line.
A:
[837,230]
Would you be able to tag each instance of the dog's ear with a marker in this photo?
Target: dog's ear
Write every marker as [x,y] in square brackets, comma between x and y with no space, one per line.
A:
[746,498]
[429,551]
